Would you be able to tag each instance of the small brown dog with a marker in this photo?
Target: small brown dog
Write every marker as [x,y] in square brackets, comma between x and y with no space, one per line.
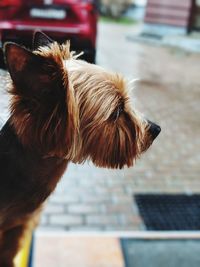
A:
[62,109]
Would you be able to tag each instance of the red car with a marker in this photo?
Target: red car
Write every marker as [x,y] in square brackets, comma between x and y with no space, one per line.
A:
[60,19]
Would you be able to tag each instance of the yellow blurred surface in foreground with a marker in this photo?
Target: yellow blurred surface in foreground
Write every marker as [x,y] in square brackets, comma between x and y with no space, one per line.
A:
[22,257]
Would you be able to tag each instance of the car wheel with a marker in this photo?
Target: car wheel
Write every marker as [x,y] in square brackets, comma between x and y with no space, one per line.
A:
[2,63]
[89,56]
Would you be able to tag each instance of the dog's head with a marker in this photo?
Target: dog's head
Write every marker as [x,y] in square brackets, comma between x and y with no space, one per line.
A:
[65,107]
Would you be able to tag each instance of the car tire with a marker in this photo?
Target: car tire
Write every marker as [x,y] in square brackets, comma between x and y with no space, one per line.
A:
[2,62]
[89,56]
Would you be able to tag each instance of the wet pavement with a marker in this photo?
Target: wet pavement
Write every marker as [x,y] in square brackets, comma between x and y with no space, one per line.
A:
[168,92]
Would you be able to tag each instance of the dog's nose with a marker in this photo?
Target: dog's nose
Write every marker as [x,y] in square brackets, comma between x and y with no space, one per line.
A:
[154,129]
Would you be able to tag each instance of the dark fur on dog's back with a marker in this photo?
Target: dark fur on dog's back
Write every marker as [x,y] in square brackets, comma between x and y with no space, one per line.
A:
[26,181]
[26,178]
[35,143]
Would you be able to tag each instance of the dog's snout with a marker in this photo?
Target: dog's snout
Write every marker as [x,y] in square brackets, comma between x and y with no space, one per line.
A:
[154,129]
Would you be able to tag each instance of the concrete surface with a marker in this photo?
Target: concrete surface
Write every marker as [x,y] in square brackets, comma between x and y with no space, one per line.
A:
[167,38]
[161,253]
[90,199]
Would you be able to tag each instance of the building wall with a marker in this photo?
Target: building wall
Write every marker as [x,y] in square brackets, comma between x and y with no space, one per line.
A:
[169,12]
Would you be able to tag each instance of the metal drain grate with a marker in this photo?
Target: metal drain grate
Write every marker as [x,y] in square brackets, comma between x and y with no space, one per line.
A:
[169,212]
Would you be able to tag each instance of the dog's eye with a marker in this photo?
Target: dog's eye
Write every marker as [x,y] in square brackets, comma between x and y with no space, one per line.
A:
[115,115]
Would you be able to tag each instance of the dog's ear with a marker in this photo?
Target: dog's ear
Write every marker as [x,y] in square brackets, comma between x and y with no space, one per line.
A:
[43,109]
[26,69]
[40,39]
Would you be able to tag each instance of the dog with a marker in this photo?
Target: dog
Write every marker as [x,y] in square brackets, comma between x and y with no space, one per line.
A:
[62,110]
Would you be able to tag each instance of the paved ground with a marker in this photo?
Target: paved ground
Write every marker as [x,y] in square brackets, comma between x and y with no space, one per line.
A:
[168,92]
[165,253]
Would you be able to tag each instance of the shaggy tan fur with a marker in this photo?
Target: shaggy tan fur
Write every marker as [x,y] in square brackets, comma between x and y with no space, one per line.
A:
[102,106]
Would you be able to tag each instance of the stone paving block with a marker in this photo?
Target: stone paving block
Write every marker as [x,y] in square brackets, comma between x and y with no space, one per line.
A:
[65,220]
[122,198]
[116,208]
[86,228]
[54,209]
[101,220]
[93,198]
[83,208]
[63,199]
[129,219]
[44,220]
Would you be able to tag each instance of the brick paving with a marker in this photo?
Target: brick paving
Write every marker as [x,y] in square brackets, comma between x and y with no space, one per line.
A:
[90,199]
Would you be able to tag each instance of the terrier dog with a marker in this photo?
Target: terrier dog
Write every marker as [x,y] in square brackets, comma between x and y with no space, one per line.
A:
[62,109]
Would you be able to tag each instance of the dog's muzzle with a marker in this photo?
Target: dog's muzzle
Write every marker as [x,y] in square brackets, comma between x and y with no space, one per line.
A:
[154,129]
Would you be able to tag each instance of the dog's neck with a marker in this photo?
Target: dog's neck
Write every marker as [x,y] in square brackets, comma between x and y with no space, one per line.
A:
[11,139]
[26,169]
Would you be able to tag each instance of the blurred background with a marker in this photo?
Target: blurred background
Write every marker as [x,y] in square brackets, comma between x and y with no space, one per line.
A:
[137,216]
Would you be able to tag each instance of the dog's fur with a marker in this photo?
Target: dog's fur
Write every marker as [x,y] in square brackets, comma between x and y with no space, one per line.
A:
[62,109]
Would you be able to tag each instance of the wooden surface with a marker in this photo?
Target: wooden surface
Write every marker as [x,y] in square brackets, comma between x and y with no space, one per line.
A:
[77,251]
